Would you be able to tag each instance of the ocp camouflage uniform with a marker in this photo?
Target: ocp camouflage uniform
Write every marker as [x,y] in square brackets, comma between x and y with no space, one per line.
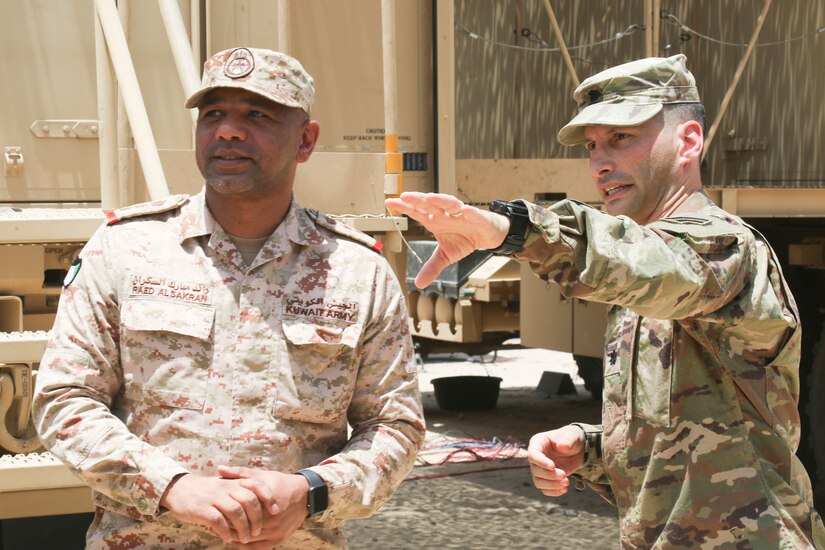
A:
[701,376]
[168,355]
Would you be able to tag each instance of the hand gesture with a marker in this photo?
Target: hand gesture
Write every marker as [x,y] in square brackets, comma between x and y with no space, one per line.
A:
[287,494]
[553,456]
[459,229]
[226,507]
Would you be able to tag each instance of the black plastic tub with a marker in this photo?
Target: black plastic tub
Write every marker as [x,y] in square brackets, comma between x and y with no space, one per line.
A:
[466,393]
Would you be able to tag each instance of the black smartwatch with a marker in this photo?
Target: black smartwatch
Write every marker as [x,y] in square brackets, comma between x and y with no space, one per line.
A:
[592,442]
[318,495]
[519,226]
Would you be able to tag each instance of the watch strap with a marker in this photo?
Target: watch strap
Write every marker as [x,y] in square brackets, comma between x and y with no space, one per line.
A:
[520,225]
[318,495]
[592,441]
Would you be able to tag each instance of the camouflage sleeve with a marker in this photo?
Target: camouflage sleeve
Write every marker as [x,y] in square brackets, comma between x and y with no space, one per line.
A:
[672,269]
[385,412]
[78,380]
[592,472]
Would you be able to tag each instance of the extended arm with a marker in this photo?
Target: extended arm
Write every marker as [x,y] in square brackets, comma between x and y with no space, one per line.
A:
[671,269]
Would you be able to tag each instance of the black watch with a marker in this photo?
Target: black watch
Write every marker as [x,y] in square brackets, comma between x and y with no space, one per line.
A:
[519,226]
[592,442]
[318,495]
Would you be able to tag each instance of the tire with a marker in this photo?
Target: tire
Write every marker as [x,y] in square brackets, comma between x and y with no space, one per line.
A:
[591,371]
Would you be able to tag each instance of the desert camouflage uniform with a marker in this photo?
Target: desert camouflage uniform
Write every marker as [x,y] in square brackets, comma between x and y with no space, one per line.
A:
[168,355]
[273,75]
[701,377]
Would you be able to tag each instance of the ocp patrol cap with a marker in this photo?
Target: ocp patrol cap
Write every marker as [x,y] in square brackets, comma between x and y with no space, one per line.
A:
[630,94]
[273,75]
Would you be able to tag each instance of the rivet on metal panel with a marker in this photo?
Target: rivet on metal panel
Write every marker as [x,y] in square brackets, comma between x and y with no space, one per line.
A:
[82,129]
[86,129]
[13,161]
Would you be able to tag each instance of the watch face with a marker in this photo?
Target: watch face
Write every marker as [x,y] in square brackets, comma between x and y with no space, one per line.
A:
[318,500]
[318,495]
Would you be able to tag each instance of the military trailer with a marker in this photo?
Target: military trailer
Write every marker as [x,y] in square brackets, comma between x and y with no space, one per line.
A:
[456,96]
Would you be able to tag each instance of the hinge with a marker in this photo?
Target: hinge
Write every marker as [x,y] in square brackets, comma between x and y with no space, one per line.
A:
[13,161]
[76,129]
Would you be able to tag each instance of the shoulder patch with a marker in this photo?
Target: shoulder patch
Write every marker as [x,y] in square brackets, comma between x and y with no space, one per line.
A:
[171,202]
[344,230]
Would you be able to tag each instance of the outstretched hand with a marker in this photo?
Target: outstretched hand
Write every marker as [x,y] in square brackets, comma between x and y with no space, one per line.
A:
[459,229]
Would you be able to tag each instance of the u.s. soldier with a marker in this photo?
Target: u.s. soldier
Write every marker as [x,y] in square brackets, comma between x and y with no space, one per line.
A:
[700,422]
[210,350]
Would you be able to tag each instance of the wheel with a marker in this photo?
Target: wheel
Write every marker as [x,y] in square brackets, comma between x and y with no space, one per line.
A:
[590,370]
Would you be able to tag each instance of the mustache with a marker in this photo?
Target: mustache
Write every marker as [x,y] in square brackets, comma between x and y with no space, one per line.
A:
[218,149]
[612,178]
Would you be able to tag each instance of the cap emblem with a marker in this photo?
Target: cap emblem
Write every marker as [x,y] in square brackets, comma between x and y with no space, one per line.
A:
[239,64]
[595,96]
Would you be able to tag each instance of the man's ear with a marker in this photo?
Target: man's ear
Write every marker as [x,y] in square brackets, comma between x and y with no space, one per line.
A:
[692,140]
[309,137]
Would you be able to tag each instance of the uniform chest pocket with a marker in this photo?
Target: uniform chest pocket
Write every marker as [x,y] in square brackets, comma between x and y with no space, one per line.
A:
[317,375]
[653,371]
[166,352]
[618,341]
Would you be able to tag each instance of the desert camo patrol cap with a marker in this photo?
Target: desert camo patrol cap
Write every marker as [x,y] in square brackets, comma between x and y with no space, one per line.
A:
[630,94]
[273,75]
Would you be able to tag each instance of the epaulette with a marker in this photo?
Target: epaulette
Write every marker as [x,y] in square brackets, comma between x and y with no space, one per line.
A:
[146,208]
[344,230]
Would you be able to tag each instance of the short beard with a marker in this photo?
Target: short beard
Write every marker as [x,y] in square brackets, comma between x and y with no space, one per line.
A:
[230,186]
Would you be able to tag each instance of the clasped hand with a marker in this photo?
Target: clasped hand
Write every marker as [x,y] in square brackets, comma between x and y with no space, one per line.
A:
[256,508]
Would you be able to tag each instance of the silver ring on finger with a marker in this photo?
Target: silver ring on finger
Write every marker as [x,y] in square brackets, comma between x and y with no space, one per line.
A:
[458,213]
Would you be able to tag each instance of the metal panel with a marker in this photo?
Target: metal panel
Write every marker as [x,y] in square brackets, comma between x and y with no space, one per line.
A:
[589,325]
[43,225]
[22,347]
[511,102]
[39,485]
[342,183]
[157,74]
[771,203]
[34,87]
[546,316]
[485,180]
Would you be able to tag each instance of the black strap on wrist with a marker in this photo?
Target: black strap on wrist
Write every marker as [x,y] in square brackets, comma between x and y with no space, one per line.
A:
[592,442]
[318,495]
[519,226]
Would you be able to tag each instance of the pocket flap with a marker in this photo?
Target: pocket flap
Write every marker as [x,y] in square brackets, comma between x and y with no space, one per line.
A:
[158,315]
[301,332]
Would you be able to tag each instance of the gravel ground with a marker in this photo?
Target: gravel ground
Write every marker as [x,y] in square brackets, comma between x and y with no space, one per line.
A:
[464,502]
